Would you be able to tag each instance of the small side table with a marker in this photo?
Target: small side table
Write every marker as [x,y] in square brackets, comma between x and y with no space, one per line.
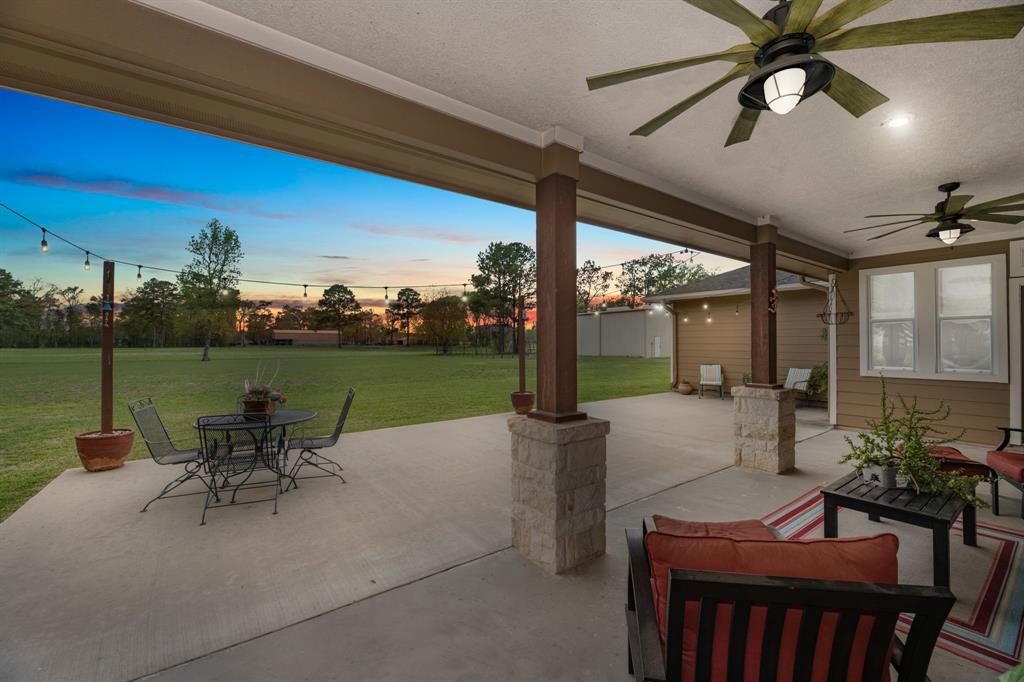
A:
[926,510]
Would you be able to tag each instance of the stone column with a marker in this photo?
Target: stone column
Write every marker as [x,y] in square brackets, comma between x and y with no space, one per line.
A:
[765,428]
[558,490]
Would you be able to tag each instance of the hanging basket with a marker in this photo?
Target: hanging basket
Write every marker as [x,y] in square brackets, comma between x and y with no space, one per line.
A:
[834,314]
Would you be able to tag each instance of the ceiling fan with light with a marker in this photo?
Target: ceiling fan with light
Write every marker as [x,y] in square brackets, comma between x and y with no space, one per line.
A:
[783,64]
[949,212]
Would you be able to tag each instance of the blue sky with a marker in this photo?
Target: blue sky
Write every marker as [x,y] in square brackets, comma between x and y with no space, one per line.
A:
[136,190]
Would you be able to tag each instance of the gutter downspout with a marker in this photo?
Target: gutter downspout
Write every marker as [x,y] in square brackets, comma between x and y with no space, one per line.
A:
[673,376]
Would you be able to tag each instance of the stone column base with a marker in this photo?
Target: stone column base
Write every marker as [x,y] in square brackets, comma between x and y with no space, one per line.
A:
[765,428]
[558,490]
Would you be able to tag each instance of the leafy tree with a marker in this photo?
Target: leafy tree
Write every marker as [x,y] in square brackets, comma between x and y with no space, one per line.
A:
[507,272]
[207,281]
[71,313]
[292,317]
[642,277]
[591,283]
[338,307]
[406,307]
[149,312]
[256,321]
[444,322]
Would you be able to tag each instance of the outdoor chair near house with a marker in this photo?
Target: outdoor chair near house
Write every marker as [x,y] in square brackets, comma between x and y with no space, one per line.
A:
[235,447]
[163,451]
[310,450]
[730,601]
[1008,465]
[711,375]
[798,378]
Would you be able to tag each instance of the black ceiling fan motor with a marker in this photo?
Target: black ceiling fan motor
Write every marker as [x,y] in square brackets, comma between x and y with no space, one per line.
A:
[779,13]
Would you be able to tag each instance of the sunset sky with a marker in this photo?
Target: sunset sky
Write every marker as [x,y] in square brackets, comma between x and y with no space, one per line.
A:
[135,191]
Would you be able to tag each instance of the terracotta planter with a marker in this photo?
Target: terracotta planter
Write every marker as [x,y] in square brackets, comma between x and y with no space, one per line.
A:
[260,406]
[522,401]
[685,389]
[101,451]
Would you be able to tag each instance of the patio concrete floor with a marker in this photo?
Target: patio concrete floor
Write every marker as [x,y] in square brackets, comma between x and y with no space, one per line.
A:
[403,573]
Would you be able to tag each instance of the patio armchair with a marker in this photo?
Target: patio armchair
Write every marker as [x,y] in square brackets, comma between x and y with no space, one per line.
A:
[310,449]
[797,379]
[1008,465]
[711,375]
[163,451]
[711,619]
[234,447]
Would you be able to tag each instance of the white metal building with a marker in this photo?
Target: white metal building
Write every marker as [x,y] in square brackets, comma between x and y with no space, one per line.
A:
[625,332]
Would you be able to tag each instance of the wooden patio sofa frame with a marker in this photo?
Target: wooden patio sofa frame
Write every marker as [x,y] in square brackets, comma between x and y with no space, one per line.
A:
[649,662]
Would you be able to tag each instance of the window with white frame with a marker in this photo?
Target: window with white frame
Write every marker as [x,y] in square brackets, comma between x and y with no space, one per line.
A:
[941,320]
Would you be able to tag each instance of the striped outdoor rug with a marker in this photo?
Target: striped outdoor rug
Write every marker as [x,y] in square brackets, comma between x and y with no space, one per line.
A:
[987,624]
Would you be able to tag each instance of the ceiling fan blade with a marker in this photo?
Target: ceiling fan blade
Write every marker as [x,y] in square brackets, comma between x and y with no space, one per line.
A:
[757,29]
[996,203]
[853,94]
[956,203]
[743,128]
[896,215]
[800,14]
[897,230]
[842,14]
[669,114]
[980,24]
[995,218]
[736,53]
[897,222]
[1000,209]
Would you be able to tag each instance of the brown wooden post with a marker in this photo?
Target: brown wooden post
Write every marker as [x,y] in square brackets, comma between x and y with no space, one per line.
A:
[107,350]
[763,295]
[556,289]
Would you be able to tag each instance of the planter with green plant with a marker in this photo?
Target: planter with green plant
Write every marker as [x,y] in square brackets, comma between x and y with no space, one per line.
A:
[261,397]
[685,387]
[897,451]
[747,378]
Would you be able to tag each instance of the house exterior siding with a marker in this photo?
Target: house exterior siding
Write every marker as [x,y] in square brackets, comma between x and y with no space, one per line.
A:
[725,340]
[977,408]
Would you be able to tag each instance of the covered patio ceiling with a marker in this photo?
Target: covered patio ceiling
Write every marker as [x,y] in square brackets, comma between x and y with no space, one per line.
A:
[518,67]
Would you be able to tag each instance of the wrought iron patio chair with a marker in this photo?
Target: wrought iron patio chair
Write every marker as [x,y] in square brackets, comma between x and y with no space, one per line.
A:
[309,449]
[162,449]
[235,447]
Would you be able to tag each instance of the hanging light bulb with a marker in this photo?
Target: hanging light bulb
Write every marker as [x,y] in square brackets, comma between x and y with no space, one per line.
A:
[305,292]
[43,246]
[87,265]
[465,297]
[138,275]
[705,306]
[737,310]
[709,316]
[686,319]
[386,299]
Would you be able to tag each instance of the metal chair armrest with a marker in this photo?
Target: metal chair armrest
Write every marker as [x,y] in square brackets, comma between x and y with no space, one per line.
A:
[646,656]
[1007,430]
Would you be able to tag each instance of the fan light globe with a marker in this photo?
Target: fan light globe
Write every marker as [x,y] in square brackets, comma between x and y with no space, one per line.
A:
[949,236]
[783,90]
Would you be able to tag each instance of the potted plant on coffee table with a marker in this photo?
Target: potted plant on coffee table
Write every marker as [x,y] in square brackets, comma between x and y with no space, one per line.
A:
[896,452]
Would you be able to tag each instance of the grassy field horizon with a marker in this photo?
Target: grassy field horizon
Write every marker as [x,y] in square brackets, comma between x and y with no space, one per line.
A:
[52,394]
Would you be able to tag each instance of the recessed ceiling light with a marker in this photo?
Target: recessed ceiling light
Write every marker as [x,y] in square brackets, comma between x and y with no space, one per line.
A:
[898,121]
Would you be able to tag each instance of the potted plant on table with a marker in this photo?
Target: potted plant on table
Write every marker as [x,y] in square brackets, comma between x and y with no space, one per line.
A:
[897,451]
[261,397]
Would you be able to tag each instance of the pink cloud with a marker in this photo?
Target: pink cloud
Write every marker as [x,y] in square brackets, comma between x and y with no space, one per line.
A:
[128,189]
[428,234]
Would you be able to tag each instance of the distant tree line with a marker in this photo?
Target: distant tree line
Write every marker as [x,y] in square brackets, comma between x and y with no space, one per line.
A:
[203,306]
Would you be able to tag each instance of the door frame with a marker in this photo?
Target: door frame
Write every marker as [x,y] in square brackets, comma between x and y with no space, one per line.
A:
[1016,302]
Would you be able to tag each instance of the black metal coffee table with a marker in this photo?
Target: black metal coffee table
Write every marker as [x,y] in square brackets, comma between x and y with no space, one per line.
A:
[937,512]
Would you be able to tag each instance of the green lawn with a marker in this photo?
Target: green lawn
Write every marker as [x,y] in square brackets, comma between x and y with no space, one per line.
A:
[50,395]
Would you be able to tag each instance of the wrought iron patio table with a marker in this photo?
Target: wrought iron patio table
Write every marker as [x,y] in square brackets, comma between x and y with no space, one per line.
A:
[935,511]
[265,449]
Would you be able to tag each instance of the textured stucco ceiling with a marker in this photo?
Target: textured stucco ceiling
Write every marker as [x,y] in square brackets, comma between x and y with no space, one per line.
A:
[818,170]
